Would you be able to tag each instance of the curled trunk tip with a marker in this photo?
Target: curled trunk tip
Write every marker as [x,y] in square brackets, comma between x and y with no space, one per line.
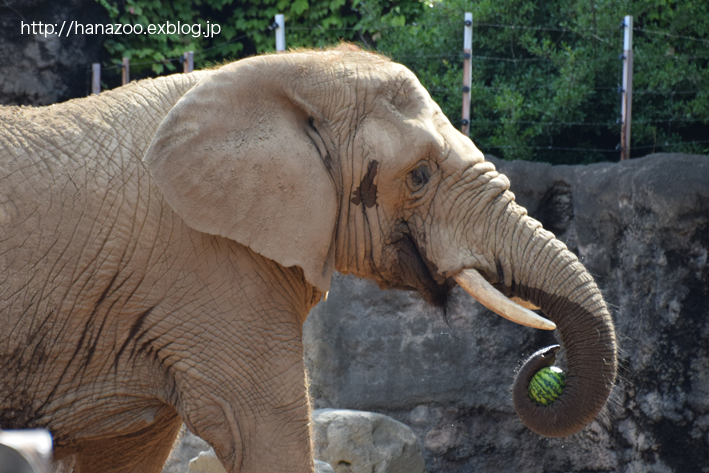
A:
[590,375]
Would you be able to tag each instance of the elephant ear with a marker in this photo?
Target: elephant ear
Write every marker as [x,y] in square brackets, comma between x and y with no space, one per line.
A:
[235,157]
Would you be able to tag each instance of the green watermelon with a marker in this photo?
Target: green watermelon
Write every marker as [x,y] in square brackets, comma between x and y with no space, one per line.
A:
[546,386]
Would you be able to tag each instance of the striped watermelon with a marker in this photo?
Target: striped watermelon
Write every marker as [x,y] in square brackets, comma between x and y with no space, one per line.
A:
[546,386]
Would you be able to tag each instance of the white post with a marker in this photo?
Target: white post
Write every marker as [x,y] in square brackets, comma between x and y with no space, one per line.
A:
[96,78]
[125,69]
[627,95]
[188,63]
[467,72]
[280,33]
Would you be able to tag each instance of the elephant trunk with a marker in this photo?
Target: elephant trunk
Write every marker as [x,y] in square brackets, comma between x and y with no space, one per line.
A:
[552,278]
[549,276]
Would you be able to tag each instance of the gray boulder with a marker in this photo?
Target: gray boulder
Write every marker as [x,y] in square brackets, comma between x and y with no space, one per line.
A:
[322,467]
[191,454]
[365,442]
[641,227]
[351,441]
[186,447]
[207,462]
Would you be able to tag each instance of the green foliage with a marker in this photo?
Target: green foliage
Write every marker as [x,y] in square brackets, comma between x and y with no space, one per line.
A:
[244,27]
[545,74]
[549,86]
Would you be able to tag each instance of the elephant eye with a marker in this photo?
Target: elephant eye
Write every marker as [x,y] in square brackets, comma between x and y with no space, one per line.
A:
[418,178]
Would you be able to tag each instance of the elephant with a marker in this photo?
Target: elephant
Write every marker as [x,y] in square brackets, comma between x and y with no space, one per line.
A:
[162,244]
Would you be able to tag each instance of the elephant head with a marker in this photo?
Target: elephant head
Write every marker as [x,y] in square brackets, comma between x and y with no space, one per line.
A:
[340,160]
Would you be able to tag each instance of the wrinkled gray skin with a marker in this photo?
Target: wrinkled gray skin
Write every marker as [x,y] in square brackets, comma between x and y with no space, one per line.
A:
[162,244]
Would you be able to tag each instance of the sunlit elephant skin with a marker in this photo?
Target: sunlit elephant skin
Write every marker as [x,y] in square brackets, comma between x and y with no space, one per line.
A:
[162,244]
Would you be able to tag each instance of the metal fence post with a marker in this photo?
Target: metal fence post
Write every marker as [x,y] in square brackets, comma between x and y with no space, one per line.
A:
[467,72]
[280,33]
[188,61]
[125,71]
[627,95]
[96,78]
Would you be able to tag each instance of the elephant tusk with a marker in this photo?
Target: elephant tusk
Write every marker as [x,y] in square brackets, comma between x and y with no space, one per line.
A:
[475,285]
[524,303]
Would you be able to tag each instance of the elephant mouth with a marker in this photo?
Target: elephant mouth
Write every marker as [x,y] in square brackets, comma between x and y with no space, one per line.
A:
[414,271]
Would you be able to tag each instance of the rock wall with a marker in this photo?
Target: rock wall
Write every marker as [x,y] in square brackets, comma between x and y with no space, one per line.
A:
[641,227]
[41,70]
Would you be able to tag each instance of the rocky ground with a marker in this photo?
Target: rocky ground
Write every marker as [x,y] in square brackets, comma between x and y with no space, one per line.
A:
[642,229]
